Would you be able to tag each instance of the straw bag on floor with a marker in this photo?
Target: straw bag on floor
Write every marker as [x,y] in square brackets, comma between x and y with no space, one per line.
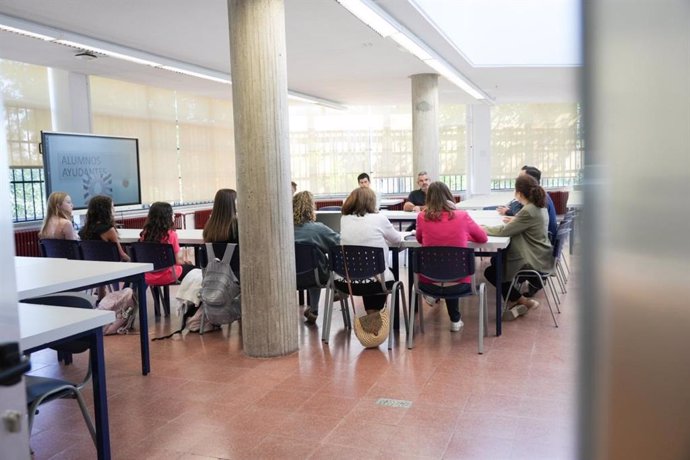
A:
[371,329]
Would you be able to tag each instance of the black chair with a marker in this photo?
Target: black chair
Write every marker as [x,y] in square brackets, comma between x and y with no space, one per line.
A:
[105,251]
[162,256]
[40,390]
[307,257]
[60,249]
[99,250]
[445,264]
[362,265]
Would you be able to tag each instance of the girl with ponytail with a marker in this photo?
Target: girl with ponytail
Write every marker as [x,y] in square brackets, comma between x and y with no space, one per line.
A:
[529,247]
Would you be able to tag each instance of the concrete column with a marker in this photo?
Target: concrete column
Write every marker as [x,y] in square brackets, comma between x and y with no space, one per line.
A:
[70,101]
[478,149]
[425,131]
[259,90]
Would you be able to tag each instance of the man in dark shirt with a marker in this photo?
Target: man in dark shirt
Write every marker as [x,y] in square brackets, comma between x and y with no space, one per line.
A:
[417,198]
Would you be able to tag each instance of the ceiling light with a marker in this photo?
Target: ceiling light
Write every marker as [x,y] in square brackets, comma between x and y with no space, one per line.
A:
[26,33]
[386,26]
[301,97]
[366,14]
[410,45]
[206,76]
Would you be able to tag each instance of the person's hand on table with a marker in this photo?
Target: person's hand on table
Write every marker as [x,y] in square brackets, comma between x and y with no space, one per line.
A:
[507,219]
[502,210]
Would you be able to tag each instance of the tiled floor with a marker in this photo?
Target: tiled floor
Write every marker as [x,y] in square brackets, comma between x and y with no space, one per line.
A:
[205,399]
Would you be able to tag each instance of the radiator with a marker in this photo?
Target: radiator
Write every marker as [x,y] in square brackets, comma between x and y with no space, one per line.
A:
[201,217]
[26,243]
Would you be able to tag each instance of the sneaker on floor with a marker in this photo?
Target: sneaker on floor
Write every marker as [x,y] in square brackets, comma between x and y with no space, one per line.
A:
[456,326]
[514,313]
[310,317]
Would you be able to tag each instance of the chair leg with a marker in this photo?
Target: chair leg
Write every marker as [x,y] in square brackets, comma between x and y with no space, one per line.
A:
[410,320]
[482,309]
[156,300]
[328,309]
[548,302]
[166,300]
[85,414]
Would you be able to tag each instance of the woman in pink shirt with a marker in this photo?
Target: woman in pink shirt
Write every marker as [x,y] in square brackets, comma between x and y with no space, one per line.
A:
[160,228]
[441,224]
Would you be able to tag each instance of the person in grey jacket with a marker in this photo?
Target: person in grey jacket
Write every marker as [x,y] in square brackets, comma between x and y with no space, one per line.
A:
[309,231]
[529,247]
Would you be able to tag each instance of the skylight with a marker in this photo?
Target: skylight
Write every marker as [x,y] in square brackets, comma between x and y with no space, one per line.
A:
[510,33]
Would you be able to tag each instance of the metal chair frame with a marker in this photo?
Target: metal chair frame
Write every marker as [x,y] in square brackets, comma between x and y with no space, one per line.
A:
[41,390]
[445,264]
[363,263]
[162,257]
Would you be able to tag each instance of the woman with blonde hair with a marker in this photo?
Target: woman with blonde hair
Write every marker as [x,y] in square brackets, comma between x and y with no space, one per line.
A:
[58,219]
[362,225]
[309,231]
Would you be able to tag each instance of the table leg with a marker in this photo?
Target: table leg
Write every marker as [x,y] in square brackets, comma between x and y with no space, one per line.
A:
[100,398]
[143,326]
[499,297]
[396,275]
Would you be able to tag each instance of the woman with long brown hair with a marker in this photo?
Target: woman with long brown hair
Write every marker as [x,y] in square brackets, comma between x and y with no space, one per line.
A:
[441,224]
[529,247]
[222,225]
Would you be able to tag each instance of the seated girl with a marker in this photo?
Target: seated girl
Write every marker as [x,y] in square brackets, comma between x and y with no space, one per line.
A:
[160,228]
[58,220]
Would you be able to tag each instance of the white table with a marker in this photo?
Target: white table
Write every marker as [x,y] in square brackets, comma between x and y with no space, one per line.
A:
[478,202]
[41,326]
[37,276]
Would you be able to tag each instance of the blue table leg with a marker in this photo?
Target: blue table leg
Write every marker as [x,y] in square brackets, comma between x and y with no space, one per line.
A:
[143,326]
[396,275]
[499,297]
[100,398]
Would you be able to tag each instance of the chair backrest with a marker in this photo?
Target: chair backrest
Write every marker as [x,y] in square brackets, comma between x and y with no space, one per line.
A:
[363,262]
[559,241]
[99,250]
[60,249]
[219,251]
[443,263]
[161,255]
[307,265]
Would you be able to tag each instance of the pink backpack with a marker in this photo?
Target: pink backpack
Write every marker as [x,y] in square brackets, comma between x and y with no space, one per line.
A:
[124,304]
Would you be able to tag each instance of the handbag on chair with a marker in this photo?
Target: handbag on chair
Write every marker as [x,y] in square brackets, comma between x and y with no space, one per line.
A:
[371,329]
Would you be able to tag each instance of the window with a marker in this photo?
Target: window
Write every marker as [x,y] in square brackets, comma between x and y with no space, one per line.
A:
[543,135]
